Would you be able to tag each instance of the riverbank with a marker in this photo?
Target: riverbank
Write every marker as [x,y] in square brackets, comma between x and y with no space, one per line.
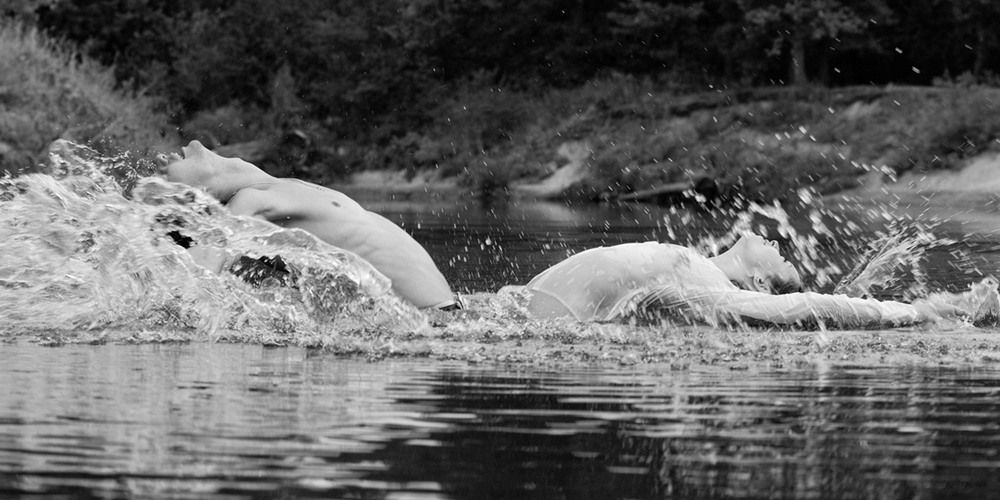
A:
[759,144]
[618,137]
[614,137]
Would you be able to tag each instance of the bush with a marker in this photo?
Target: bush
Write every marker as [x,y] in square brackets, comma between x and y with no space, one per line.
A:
[470,123]
[48,92]
[962,127]
[482,116]
[229,124]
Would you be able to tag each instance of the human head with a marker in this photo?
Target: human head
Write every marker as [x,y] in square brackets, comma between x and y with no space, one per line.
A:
[202,168]
[756,264]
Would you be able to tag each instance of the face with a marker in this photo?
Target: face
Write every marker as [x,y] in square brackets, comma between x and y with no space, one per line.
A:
[192,168]
[767,264]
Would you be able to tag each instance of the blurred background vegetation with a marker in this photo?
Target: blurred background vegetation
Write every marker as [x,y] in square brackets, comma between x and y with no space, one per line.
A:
[768,96]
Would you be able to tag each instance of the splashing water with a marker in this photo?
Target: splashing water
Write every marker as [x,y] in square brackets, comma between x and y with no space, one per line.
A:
[82,255]
[895,256]
[888,258]
[901,252]
[804,247]
[79,255]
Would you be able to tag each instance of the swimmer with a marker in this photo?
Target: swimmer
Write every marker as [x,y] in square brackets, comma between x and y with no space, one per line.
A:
[329,215]
[750,281]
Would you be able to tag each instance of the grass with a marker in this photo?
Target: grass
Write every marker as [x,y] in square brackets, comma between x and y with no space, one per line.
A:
[48,92]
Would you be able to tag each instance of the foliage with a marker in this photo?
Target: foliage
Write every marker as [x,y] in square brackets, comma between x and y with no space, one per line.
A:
[667,31]
[962,125]
[485,89]
[796,23]
[977,19]
[24,10]
[366,69]
[762,144]
[48,91]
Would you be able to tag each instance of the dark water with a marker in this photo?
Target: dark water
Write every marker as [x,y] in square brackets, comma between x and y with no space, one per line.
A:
[206,420]
[242,421]
[484,247]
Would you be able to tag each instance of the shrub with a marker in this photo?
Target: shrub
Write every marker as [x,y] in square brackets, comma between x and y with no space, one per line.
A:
[470,123]
[48,92]
[482,117]
[964,126]
[229,124]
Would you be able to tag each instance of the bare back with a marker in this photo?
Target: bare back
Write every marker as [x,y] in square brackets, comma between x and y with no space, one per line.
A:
[587,285]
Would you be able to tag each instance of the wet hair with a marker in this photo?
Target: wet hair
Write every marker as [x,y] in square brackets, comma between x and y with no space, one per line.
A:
[782,285]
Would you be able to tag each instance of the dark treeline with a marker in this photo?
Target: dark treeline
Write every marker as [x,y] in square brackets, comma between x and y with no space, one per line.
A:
[373,70]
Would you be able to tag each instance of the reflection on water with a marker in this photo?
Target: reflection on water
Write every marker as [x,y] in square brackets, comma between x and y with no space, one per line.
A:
[245,421]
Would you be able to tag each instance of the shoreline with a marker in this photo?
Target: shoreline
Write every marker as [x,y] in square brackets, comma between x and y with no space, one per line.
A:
[977,180]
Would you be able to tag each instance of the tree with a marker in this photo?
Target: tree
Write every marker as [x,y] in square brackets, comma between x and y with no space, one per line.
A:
[25,10]
[138,37]
[234,54]
[795,24]
[658,35]
[978,19]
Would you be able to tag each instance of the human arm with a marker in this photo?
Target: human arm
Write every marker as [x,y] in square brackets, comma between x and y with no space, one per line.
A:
[720,305]
[840,310]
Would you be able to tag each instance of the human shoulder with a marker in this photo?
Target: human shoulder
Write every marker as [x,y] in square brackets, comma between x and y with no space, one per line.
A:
[631,252]
[307,193]
[649,249]
[252,201]
[268,199]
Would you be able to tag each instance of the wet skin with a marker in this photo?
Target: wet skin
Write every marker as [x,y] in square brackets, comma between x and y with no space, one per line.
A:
[328,214]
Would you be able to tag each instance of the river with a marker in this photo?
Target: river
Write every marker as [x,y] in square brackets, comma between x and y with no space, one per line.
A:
[144,410]
[245,421]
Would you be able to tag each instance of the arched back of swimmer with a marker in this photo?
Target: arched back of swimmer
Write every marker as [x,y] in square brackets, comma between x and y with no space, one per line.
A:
[328,214]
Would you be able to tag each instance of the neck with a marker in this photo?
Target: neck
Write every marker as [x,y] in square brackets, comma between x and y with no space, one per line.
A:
[731,265]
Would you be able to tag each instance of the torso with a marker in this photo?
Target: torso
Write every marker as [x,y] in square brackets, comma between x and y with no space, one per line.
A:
[330,215]
[589,283]
[340,221]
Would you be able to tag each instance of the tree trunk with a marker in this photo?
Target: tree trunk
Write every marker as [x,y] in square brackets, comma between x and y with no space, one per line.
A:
[797,69]
[824,68]
[980,63]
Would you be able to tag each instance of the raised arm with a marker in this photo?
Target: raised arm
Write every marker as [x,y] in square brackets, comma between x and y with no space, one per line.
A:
[716,305]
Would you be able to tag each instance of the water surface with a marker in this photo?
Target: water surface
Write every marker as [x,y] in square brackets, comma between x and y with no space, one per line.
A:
[242,421]
[484,246]
[181,400]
